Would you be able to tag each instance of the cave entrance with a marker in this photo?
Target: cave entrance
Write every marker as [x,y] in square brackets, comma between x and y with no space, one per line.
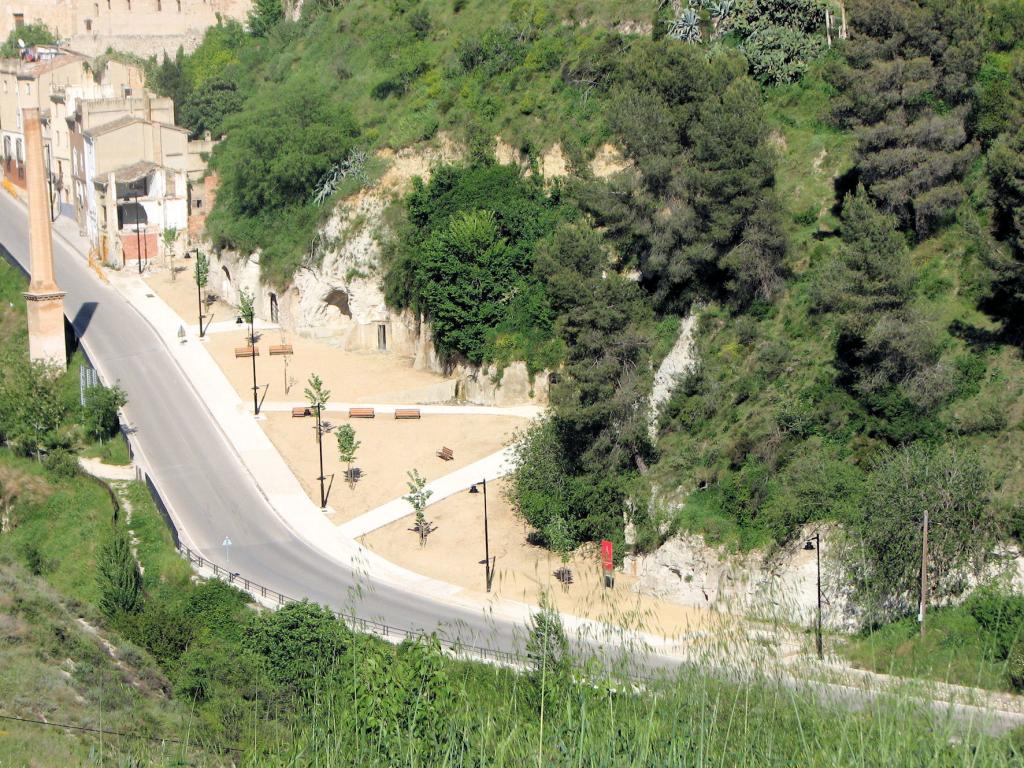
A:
[338,299]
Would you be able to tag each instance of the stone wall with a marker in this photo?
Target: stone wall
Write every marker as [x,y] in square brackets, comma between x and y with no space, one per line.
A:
[143,27]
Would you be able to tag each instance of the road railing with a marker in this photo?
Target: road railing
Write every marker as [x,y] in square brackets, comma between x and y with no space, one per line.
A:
[355,623]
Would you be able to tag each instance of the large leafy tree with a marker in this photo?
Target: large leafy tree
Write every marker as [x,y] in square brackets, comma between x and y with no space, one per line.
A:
[884,551]
[30,34]
[465,278]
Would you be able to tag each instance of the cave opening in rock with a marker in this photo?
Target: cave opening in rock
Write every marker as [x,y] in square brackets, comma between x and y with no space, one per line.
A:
[338,299]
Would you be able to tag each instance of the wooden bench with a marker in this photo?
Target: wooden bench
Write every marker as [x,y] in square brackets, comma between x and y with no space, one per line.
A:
[247,351]
[407,413]
[361,413]
[280,349]
[302,410]
[447,454]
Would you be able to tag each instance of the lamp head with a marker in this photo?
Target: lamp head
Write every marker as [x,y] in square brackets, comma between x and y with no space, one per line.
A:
[474,489]
[809,544]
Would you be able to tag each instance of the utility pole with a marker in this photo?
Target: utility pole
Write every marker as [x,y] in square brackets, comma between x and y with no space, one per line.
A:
[817,555]
[924,570]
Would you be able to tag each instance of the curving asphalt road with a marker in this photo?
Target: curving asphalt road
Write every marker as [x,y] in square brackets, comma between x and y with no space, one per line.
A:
[201,479]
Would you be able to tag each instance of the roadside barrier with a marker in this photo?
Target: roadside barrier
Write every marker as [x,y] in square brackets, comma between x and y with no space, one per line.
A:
[355,623]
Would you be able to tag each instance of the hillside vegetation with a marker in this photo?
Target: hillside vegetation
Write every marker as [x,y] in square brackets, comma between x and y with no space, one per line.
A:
[844,218]
[111,652]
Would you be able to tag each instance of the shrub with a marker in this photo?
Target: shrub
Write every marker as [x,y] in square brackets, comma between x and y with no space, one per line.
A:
[1001,616]
[119,579]
[99,415]
[1015,667]
[61,463]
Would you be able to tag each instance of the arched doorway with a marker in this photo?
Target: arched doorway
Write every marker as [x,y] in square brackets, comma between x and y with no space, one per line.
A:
[273,308]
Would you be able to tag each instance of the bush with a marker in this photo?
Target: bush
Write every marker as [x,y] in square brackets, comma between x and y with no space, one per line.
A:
[119,579]
[1001,616]
[297,643]
[1015,667]
[61,463]
[99,415]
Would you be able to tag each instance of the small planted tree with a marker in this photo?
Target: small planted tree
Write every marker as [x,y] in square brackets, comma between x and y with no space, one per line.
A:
[202,276]
[347,447]
[317,397]
[417,498]
[119,579]
[170,237]
[99,415]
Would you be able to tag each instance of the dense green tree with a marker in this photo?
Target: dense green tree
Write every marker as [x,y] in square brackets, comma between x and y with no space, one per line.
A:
[884,552]
[906,91]
[699,219]
[99,414]
[30,34]
[119,579]
[1006,179]
[885,348]
[206,108]
[264,16]
[465,259]
[296,644]
[32,409]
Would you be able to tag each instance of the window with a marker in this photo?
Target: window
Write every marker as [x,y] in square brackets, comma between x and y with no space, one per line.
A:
[88,25]
[179,6]
[28,89]
[199,203]
[129,5]
[19,20]
[96,9]
[159,5]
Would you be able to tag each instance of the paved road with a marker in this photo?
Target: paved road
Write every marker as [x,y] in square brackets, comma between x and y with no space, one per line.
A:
[199,476]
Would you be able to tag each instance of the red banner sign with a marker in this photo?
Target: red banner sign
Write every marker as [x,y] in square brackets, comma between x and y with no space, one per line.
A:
[606,554]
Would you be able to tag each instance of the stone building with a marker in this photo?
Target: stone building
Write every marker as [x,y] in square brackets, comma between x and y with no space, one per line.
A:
[56,82]
[143,27]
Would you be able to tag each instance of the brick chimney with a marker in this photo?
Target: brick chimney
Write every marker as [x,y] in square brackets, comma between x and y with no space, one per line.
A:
[44,300]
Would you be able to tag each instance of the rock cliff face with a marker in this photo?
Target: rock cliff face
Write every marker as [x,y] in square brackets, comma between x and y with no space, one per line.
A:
[781,586]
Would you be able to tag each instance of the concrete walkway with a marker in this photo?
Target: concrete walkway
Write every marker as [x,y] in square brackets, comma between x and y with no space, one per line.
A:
[114,472]
[490,468]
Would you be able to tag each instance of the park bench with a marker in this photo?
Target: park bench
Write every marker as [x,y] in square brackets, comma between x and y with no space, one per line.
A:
[300,411]
[280,349]
[361,413]
[447,454]
[247,351]
[407,413]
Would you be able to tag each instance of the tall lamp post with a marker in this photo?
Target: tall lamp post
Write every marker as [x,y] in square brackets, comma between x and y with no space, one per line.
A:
[248,312]
[488,569]
[816,546]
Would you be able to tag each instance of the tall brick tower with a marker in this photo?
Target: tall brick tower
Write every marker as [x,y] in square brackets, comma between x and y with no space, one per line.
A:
[45,301]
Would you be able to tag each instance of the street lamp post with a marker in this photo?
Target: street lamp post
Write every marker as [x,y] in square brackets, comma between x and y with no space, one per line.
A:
[320,446]
[227,553]
[488,570]
[816,546]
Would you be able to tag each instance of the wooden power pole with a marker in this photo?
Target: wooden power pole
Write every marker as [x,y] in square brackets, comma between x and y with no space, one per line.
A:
[924,571]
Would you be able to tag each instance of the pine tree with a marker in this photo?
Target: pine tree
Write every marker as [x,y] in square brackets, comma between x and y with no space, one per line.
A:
[119,578]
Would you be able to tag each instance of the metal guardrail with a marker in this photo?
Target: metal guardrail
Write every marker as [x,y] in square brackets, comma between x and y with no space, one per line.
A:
[355,623]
